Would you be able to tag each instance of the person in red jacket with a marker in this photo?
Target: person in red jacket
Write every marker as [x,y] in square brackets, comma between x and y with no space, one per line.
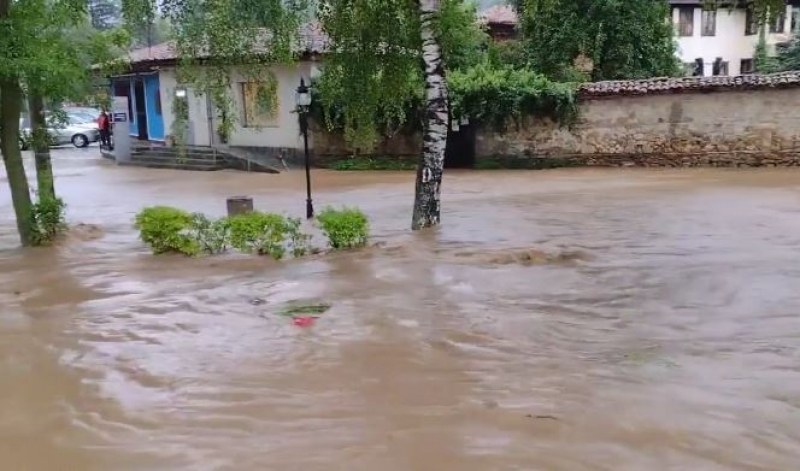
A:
[104,125]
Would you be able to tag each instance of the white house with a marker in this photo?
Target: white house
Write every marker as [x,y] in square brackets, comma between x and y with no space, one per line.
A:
[727,36]
[152,88]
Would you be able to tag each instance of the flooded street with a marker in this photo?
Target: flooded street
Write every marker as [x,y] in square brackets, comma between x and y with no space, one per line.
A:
[558,320]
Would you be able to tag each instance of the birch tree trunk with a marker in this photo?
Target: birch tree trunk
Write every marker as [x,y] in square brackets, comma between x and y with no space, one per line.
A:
[10,109]
[41,147]
[427,204]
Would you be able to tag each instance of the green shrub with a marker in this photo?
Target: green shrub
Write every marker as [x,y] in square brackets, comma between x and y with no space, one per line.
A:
[299,241]
[167,229]
[345,228]
[212,237]
[494,95]
[48,220]
[261,233]
[369,163]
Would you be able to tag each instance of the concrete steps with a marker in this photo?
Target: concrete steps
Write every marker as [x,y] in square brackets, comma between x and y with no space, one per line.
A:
[200,166]
[190,158]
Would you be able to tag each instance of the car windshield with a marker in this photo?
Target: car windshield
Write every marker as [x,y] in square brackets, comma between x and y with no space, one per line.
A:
[79,118]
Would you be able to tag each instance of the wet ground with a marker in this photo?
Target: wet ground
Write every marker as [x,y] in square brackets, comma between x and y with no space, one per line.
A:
[558,320]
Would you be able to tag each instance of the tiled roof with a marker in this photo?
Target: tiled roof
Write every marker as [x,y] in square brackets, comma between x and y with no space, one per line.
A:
[662,86]
[311,37]
[159,52]
[499,15]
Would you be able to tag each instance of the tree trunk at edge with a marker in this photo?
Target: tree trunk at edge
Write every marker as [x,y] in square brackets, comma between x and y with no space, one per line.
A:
[427,205]
[41,147]
[10,109]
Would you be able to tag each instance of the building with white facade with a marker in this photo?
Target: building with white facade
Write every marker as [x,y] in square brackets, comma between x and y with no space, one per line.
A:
[724,40]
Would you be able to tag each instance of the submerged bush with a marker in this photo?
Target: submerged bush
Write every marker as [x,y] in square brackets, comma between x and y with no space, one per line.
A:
[299,241]
[261,233]
[212,237]
[167,229]
[171,230]
[345,228]
[47,216]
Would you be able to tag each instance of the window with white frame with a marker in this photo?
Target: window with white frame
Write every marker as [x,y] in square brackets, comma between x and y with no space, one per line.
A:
[777,22]
[750,21]
[685,21]
[260,103]
[709,22]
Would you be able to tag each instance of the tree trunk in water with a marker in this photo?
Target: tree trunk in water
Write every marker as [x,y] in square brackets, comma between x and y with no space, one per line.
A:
[434,138]
[41,147]
[10,109]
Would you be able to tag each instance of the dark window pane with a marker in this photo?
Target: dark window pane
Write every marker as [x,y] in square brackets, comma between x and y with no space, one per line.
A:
[686,21]
[777,23]
[750,21]
[709,22]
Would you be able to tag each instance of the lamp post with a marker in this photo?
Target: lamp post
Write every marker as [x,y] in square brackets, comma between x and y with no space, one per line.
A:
[303,100]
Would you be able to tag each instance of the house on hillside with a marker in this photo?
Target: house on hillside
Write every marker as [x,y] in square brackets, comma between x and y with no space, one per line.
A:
[723,41]
[151,85]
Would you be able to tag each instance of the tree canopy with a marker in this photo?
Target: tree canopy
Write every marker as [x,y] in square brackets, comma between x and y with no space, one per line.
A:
[623,39]
[372,80]
[46,50]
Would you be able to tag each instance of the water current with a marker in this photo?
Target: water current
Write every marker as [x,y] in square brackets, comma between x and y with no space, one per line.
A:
[557,320]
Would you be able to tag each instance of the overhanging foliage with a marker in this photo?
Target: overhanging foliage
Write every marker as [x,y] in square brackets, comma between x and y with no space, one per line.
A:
[623,39]
[495,95]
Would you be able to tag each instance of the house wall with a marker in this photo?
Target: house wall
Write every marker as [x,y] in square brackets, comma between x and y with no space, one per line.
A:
[730,42]
[283,136]
[198,133]
[732,128]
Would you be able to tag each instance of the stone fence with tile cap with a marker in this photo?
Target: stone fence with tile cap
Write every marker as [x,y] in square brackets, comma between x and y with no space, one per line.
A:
[751,120]
[704,121]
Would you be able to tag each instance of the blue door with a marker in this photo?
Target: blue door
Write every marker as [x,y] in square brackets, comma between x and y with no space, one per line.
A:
[155,115]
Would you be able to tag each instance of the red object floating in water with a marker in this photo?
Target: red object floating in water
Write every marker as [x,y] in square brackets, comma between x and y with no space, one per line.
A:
[304,321]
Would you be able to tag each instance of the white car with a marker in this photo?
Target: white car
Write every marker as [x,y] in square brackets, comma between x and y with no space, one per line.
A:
[79,130]
[83,111]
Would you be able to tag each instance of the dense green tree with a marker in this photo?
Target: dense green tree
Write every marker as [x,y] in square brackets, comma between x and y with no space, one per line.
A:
[42,57]
[622,39]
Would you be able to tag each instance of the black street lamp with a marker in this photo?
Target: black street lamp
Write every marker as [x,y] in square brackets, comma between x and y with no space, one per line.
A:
[303,100]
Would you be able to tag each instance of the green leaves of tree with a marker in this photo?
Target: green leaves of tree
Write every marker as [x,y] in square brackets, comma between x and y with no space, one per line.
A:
[496,95]
[372,79]
[624,39]
[50,45]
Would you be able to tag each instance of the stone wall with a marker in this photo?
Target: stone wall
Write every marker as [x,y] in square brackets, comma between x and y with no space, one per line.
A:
[750,120]
[748,127]
[331,147]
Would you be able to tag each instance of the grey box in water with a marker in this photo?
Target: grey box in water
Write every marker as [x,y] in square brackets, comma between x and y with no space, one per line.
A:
[240,205]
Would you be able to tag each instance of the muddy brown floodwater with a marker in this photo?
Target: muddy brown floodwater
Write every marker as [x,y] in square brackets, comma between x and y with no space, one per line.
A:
[558,320]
